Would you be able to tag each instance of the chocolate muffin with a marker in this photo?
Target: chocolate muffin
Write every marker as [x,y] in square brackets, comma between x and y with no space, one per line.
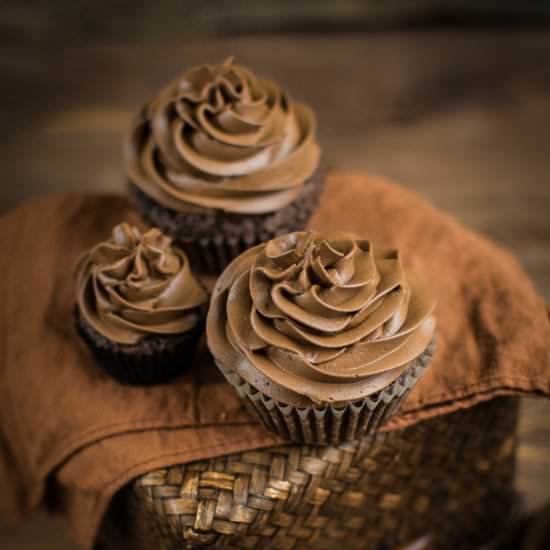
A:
[138,307]
[222,160]
[323,337]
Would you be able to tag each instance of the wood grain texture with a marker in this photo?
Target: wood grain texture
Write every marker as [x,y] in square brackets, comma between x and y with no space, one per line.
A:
[463,118]
[139,20]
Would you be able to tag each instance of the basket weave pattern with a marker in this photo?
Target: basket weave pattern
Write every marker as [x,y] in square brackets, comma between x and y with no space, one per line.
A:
[449,478]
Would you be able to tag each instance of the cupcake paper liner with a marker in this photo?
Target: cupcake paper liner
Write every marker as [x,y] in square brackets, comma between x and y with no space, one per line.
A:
[213,239]
[330,424]
[212,255]
[162,360]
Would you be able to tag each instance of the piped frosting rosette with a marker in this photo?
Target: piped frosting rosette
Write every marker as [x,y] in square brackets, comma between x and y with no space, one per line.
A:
[136,285]
[221,138]
[322,335]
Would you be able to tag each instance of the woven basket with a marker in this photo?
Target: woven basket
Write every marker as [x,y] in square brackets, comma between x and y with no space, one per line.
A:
[448,480]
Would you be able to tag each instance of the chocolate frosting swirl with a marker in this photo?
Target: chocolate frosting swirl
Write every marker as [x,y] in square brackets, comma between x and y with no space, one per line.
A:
[221,138]
[332,319]
[136,285]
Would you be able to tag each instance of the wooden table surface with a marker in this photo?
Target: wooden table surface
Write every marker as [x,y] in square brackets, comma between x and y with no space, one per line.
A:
[463,118]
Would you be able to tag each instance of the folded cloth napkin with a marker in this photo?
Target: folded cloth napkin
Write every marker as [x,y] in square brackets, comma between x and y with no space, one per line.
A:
[70,436]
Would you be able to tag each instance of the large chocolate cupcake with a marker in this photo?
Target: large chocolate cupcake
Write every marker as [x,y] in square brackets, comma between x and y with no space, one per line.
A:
[322,337]
[139,308]
[222,160]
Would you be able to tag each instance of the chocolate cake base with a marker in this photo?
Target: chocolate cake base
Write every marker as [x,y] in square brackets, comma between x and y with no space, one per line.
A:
[213,238]
[331,423]
[155,360]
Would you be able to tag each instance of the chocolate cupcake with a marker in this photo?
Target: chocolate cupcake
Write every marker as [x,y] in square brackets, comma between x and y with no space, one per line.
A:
[138,307]
[222,160]
[322,337]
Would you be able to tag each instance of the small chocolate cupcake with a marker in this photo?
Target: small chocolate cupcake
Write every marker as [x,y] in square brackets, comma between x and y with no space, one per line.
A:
[222,160]
[138,307]
[322,337]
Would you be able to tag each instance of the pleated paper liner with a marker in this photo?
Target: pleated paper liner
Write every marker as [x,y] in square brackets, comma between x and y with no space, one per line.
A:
[213,239]
[159,360]
[330,424]
[212,255]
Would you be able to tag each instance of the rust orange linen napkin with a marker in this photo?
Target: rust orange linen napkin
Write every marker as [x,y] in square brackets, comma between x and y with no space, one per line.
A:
[70,436]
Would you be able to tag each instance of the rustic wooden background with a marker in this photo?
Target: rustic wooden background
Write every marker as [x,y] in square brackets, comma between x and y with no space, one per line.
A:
[460,115]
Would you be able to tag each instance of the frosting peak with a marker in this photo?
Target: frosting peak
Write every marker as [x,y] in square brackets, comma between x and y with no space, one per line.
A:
[329,318]
[219,137]
[136,285]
